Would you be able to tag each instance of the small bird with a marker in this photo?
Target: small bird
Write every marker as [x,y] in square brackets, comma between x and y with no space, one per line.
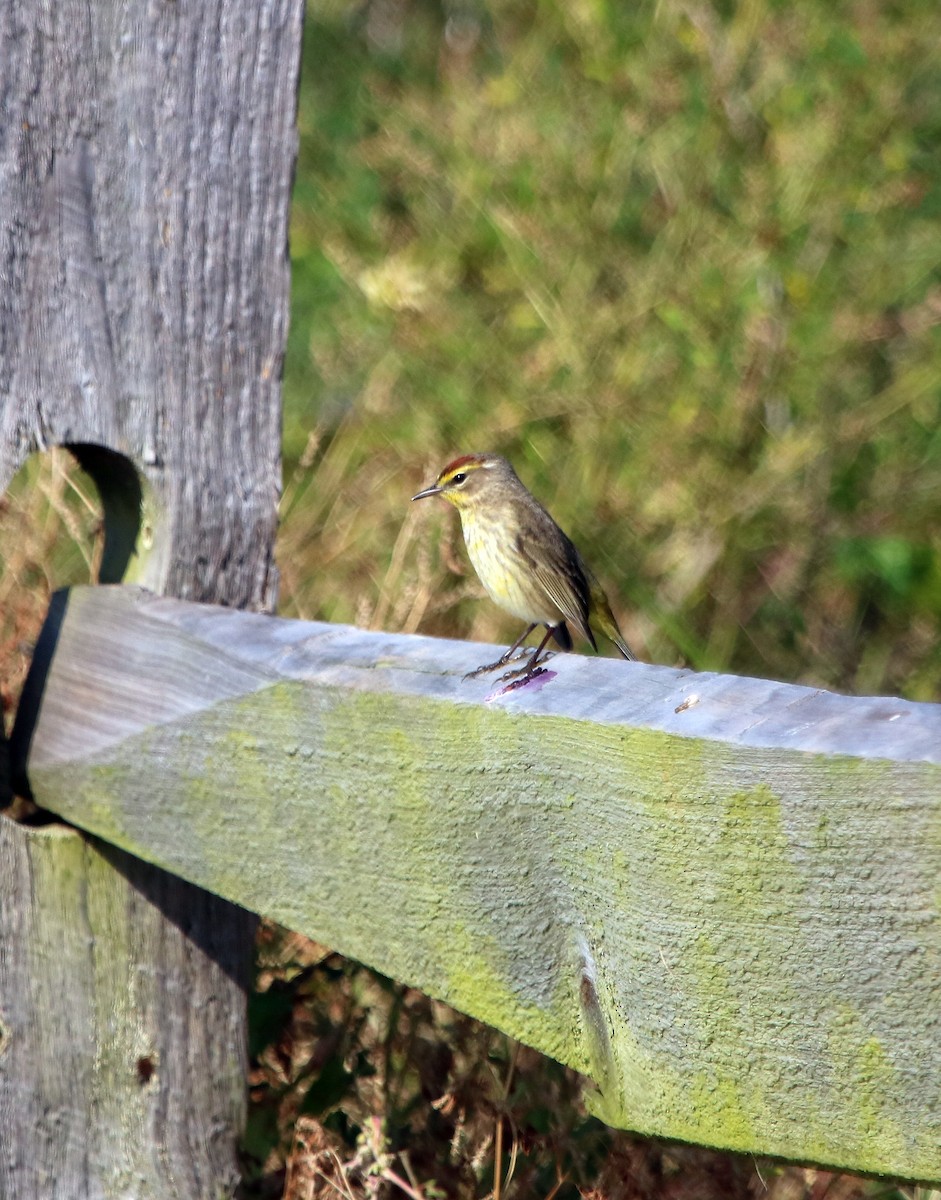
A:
[526,563]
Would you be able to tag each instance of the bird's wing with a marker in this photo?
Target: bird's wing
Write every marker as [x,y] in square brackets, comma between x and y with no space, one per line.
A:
[558,570]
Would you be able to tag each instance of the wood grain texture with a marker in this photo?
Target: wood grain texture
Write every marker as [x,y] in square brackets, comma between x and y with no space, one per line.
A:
[146,156]
[136,1101]
[146,160]
[718,897]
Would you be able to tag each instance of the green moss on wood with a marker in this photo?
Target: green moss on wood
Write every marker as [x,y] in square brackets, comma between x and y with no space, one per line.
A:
[479,854]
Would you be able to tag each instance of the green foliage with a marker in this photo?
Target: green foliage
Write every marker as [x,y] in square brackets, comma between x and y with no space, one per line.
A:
[682,263]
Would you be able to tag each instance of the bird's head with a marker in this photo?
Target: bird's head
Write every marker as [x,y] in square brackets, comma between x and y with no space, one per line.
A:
[469,478]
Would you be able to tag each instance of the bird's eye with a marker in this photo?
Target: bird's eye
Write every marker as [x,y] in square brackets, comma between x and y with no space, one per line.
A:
[459,477]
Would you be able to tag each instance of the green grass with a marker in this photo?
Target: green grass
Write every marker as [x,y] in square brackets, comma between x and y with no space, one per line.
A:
[682,264]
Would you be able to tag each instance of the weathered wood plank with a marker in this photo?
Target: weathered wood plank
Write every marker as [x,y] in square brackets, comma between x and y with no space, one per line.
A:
[146,161]
[146,158]
[112,1113]
[725,909]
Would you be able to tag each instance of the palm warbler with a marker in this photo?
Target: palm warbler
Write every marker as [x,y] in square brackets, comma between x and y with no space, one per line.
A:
[526,563]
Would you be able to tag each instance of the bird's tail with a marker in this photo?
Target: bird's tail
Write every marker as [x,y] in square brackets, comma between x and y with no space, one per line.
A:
[604,619]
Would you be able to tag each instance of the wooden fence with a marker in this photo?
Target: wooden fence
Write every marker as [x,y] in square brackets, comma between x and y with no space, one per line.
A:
[719,898]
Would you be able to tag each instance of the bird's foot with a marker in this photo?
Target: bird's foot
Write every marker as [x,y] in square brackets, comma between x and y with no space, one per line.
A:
[534,678]
[520,678]
[528,671]
[509,657]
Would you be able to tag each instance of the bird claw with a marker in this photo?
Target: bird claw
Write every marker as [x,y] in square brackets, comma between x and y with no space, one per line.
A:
[526,652]
[520,678]
[527,671]
[483,670]
[530,671]
[538,679]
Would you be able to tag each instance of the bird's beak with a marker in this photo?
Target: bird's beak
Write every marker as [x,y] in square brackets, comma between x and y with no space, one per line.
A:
[434,490]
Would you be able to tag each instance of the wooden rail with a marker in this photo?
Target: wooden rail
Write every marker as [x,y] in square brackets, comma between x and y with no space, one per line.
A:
[717,897]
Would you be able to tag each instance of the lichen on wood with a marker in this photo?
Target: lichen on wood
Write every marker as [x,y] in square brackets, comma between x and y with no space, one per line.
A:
[726,915]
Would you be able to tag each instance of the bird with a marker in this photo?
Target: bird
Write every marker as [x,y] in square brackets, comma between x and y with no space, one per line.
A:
[526,564]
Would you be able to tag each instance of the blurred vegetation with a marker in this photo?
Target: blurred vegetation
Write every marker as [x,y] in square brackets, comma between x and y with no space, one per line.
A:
[680,261]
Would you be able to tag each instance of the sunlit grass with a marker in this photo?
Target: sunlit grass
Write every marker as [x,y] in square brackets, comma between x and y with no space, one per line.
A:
[51,531]
[682,267]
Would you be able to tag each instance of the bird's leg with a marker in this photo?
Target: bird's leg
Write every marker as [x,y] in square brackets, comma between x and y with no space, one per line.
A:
[504,658]
[530,671]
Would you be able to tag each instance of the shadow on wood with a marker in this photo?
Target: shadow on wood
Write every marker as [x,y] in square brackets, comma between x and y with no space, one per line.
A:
[111,1113]
[30,703]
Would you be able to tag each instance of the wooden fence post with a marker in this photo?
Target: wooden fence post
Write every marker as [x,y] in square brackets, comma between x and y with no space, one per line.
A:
[145,172]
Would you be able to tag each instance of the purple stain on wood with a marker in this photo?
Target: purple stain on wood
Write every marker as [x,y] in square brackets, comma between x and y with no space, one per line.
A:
[534,682]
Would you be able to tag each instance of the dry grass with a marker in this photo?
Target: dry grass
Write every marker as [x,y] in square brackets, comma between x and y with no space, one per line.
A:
[50,531]
[365,1089]
[681,264]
